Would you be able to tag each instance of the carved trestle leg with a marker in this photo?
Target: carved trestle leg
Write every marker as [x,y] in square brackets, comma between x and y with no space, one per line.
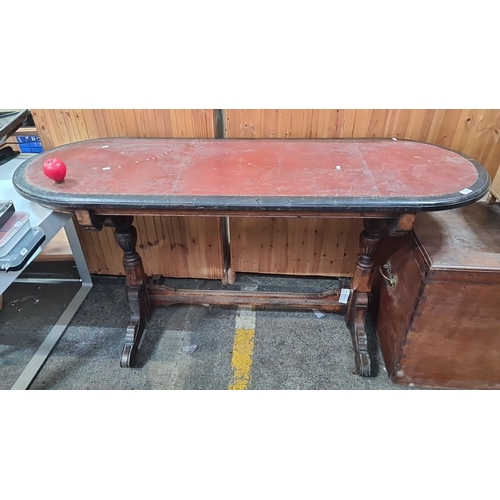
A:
[136,279]
[361,287]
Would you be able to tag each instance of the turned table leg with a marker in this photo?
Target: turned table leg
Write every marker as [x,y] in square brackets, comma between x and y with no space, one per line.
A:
[136,279]
[361,286]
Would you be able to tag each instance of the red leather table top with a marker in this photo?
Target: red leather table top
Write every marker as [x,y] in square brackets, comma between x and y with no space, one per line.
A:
[324,174]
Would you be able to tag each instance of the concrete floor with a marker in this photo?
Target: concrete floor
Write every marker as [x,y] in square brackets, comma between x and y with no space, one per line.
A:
[184,347]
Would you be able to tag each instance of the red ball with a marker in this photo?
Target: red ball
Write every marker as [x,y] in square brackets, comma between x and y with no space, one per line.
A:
[54,169]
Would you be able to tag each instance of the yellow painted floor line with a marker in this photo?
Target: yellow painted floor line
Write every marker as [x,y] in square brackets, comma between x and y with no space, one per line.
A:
[241,362]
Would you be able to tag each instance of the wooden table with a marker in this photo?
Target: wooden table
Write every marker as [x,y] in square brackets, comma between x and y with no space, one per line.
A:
[386,182]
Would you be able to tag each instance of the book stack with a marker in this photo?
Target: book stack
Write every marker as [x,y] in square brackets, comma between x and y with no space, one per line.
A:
[18,240]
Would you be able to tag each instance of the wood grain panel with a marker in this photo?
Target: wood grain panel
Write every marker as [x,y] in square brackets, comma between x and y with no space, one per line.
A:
[62,126]
[173,246]
[473,132]
[163,245]
[294,246]
[57,249]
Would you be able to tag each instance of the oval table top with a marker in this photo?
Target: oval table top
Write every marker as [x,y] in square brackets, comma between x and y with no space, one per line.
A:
[332,175]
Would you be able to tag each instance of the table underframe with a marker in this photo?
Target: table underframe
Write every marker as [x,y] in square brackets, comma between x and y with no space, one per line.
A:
[144,293]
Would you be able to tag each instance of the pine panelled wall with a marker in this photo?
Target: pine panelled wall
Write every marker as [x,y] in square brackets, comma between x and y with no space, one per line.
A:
[194,246]
[309,247]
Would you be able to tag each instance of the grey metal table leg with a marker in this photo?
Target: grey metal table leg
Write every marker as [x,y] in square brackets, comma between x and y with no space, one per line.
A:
[40,357]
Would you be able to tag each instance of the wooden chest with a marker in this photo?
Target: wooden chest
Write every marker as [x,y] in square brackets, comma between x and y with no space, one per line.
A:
[439,325]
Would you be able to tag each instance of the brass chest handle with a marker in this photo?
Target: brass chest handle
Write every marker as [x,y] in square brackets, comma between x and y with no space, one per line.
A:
[391,279]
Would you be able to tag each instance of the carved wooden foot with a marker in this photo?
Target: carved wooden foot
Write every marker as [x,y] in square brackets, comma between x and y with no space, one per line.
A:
[138,302]
[361,287]
[136,280]
[358,334]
